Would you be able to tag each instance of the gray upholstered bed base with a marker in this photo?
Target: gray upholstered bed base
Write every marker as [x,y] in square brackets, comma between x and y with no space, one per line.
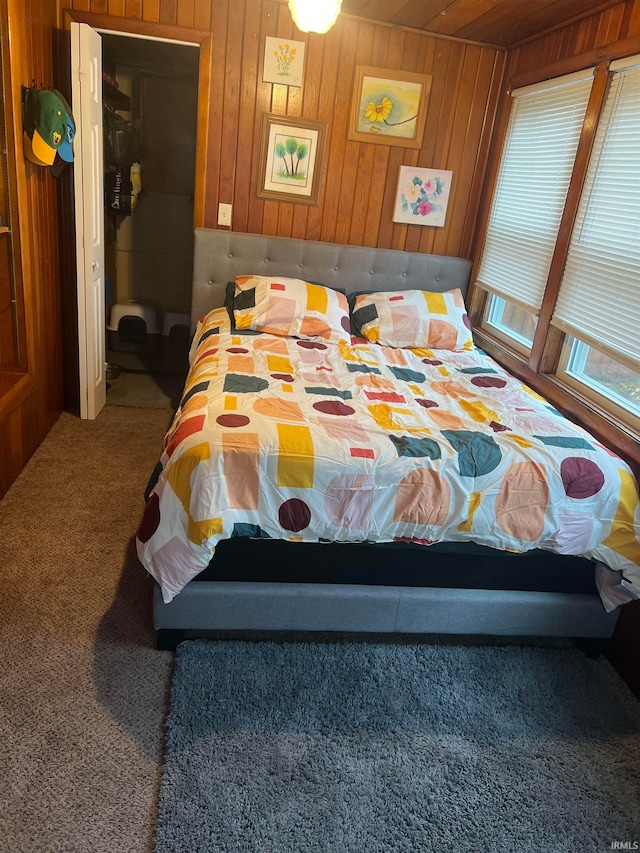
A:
[230,605]
[219,257]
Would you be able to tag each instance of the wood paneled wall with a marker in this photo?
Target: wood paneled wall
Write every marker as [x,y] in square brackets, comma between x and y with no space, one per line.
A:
[29,410]
[357,196]
[584,38]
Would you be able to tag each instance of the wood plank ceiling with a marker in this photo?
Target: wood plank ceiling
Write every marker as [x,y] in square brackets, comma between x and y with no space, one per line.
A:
[498,22]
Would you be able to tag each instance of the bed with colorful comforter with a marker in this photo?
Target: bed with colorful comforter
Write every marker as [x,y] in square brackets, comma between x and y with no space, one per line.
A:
[312,435]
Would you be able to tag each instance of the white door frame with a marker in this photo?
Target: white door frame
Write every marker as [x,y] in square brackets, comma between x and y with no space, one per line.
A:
[86,90]
[91,323]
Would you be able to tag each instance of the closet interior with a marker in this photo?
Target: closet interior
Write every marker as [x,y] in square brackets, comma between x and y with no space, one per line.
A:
[150,91]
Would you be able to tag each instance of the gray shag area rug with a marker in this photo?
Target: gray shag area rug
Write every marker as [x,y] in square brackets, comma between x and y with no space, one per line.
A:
[352,748]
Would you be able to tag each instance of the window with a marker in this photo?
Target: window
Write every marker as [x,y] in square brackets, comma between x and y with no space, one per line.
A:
[516,325]
[535,170]
[597,375]
[599,298]
[581,324]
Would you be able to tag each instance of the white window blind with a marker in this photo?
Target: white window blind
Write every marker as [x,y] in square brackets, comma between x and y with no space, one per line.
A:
[599,299]
[537,161]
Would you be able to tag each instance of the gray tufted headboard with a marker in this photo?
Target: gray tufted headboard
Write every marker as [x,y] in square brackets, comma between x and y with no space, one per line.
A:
[220,256]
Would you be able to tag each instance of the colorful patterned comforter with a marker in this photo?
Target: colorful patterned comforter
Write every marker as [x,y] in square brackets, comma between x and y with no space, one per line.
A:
[308,441]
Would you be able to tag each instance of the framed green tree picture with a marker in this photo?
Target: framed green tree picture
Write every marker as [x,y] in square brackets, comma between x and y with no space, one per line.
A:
[291,155]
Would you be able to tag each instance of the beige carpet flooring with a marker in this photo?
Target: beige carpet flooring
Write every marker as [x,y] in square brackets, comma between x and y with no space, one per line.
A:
[83,692]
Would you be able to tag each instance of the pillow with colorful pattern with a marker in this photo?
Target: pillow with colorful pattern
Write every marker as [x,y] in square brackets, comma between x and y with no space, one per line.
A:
[413,318]
[291,307]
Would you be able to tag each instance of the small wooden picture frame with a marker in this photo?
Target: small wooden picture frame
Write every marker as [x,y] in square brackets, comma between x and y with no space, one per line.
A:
[291,155]
[389,107]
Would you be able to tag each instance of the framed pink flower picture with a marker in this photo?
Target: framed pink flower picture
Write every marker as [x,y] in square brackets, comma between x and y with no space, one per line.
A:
[422,196]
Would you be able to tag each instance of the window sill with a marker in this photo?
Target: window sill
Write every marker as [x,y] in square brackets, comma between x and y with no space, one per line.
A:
[619,437]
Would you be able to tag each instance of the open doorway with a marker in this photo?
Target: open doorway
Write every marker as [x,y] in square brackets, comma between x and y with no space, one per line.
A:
[150,91]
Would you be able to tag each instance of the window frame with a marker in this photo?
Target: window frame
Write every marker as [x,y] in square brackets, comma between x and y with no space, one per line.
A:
[584,386]
[541,367]
[559,94]
[517,342]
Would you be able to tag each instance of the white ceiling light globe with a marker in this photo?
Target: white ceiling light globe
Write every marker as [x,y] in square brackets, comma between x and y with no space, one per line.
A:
[314,16]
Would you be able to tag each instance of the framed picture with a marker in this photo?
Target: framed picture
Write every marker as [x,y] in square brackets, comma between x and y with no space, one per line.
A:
[291,157]
[422,196]
[283,61]
[389,107]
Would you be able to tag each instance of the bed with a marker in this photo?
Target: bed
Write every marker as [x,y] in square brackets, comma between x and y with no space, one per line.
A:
[324,498]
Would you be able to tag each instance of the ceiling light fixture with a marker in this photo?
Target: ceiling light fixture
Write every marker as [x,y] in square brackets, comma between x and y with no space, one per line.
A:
[314,16]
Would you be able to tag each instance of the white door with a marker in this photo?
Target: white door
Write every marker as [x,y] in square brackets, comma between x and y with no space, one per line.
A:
[86,89]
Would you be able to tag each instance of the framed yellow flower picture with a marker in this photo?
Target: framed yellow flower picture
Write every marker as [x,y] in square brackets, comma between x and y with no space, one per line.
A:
[283,61]
[389,107]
